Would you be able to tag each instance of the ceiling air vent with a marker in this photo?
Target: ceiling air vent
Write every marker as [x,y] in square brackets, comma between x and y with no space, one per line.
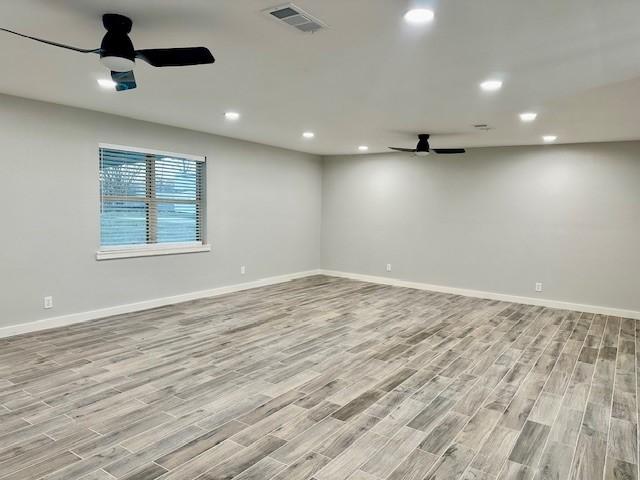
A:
[295,17]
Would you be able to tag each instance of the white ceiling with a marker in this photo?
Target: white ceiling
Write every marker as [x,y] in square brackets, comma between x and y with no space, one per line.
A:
[368,79]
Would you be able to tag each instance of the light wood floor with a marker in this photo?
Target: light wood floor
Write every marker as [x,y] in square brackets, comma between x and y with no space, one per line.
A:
[327,379]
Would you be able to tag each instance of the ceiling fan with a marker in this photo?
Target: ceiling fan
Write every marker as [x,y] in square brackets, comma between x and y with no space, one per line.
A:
[118,55]
[423,148]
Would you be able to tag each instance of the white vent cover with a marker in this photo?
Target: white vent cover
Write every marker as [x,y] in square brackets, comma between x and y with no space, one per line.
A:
[295,17]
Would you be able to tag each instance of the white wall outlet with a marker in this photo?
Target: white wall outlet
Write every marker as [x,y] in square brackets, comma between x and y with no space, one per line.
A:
[243,270]
[388,267]
[538,287]
[48,302]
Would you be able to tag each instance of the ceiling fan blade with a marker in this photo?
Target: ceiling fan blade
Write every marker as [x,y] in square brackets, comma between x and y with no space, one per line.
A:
[448,151]
[55,44]
[406,150]
[175,57]
[124,80]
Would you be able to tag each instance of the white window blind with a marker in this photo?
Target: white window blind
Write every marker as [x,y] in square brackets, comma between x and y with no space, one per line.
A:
[150,198]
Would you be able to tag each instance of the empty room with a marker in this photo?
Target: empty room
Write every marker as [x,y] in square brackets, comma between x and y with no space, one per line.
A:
[321,240]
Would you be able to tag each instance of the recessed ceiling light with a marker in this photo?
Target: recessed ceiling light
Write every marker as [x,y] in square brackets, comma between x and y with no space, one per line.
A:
[549,138]
[528,116]
[419,15]
[106,83]
[363,148]
[308,134]
[491,85]
[232,115]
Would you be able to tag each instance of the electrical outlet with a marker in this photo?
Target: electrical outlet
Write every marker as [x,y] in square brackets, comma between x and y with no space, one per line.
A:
[48,302]
[388,267]
[538,287]
[243,270]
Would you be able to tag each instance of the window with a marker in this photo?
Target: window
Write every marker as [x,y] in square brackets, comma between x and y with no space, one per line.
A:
[151,203]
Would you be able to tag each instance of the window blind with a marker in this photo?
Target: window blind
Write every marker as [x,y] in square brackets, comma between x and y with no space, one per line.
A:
[150,198]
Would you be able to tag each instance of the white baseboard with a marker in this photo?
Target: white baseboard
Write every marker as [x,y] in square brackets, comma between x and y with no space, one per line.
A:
[617,312]
[64,320]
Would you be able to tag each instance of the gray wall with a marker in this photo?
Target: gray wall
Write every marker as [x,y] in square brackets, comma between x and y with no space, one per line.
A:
[264,211]
[496,219]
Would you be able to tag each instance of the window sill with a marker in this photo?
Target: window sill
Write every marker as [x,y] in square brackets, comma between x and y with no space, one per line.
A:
[150,251]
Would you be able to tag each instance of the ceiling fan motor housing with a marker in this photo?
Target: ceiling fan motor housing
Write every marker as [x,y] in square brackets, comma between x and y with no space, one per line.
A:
[116,51]
[423,145]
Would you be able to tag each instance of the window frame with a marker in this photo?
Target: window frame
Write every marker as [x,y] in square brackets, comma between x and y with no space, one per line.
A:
[154,249]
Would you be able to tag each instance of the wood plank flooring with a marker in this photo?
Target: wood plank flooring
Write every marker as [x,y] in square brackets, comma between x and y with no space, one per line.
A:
[325,379]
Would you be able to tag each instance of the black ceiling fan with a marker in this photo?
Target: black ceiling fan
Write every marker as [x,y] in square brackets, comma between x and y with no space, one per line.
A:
[118,55]
[423,148]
